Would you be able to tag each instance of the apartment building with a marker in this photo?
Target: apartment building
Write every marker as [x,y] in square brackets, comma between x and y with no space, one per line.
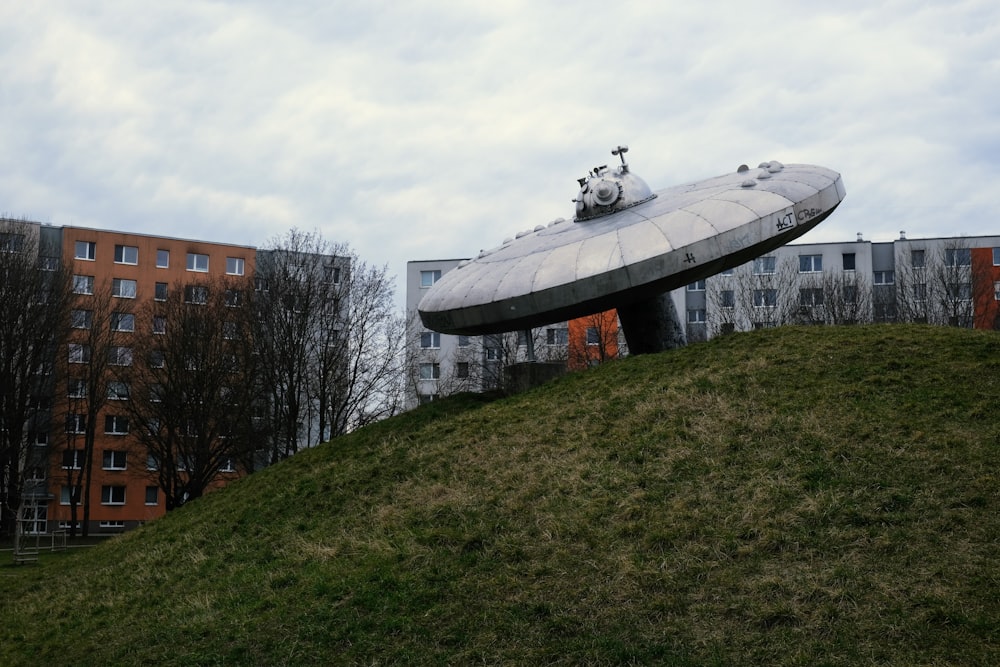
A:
[952,281]
[442,364]
[120,283]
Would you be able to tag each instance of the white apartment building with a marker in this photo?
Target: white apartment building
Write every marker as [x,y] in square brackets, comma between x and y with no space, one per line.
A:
[948,280]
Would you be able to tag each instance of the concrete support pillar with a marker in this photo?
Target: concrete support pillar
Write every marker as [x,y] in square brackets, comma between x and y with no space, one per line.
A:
[652,325]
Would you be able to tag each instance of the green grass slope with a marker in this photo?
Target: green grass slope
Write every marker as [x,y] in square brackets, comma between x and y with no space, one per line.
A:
[811,496]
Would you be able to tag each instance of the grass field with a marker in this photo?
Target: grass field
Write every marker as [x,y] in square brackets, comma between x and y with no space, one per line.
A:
[797,496]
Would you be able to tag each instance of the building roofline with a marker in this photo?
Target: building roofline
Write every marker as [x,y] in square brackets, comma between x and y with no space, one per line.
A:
[155,236]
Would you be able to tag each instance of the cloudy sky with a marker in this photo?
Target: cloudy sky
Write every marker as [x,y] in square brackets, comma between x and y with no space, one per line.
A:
[431,129]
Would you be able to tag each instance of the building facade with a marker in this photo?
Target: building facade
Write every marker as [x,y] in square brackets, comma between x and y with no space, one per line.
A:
[116,275]
[443,364]
[951,281]
[120,284]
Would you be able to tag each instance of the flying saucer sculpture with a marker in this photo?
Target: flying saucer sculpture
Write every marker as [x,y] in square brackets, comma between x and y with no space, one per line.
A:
[627,247]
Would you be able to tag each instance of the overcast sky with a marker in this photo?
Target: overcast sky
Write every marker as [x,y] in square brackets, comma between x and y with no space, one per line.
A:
[432,129]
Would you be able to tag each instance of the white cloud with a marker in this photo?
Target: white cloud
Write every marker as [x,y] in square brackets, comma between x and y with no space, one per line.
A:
[414,130]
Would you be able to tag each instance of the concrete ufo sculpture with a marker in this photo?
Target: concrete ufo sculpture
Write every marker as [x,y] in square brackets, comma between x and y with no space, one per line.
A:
[627,247]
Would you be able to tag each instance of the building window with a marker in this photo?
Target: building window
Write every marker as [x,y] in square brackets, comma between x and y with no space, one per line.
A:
[430,340]
[123,288]
[463,341]
[160,292]
[111,524]
[430,371]
[76,423]
[234,298]
[696,286]
[558,336]
[696,315]
[113,460]
[112,495]
[76,388]
[764,265]
[46,263]
[116,424]
[810,263]
[73,458]
[728,272]
[920,291]
[227,466]
[917,259]
[996,290]
[122,322]
[727,298]
[260,285]
[126,254]
[78,353]
[119,355]
[426,398]
[332,274]
[83,284]
[151,462]
[81,319]
[960,291]
[996,256]
[849,261]
[428,278]
[152,495]
[493,354]
[197,294]
[159,324]
[764,325]
[957,257]
[884,278]
[117,391]
[156,359]
[66,495]
[85,250]
[196,262]
[810,296]
[765,298]
[462,370]
[885,312]
[593,336]
[234,266]
[10,242]
[162,259]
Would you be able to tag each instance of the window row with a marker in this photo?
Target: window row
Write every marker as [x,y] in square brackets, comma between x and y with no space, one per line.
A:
[768,298]
[111,494]
[126,254]
[113,459]
[113,424]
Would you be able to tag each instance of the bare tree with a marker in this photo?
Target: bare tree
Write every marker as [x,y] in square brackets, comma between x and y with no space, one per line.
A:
[34,306]
[193,386]
[760,294]
[362,368]
[97,321]
[593,340]
[951,284]
[846,297]
[328,340]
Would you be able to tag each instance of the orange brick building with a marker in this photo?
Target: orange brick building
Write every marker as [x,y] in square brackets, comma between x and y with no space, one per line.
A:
[132,270]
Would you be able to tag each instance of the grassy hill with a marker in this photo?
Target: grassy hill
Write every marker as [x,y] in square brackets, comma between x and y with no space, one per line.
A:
[799,496]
